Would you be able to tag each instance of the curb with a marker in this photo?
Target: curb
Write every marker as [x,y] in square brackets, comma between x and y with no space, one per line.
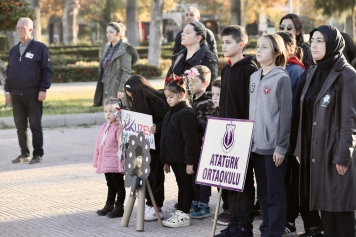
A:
[50,121]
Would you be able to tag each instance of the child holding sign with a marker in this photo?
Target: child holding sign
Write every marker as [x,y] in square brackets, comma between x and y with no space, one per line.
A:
[107,160]
[234,102]
[224,217]
[271,109]
[143,98]
[179,147]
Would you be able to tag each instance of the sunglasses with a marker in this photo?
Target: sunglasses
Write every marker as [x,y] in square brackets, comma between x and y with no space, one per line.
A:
[289,27]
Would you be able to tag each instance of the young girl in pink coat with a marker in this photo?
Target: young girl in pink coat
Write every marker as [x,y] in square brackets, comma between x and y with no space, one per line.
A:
[109,160]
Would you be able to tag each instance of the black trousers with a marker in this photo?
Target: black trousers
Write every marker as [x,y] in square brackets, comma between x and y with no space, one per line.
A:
[338,224]
[241,203]
[185,188]
[271,194]
[225,198]
[116,187]
[292,183]
[311,219]
[28,108]
[156,180]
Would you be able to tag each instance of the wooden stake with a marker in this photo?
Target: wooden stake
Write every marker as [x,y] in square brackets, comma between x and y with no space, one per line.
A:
[216,213]
[154,203]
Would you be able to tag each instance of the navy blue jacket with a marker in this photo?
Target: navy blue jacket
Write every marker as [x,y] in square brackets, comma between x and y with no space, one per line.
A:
[26,75]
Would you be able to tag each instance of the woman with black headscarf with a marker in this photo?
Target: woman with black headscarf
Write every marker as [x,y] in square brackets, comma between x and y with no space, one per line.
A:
[197,52]
[326,135]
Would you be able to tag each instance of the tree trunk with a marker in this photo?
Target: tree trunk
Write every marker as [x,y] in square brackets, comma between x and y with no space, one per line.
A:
[155,41]
[12,38]
[237,16]
[70,27]
[131,21]
[349,26]
[37,21]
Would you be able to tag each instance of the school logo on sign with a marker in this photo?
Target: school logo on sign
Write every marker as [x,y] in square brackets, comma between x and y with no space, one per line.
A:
[228,139]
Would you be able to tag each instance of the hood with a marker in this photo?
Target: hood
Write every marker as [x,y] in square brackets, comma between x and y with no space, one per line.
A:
[295,60]
[246,60]
[275,71]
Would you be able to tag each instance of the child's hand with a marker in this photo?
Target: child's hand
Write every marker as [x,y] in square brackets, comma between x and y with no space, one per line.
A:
[278,158]
[153,128]
[121,127]
[189,169]
[166,168]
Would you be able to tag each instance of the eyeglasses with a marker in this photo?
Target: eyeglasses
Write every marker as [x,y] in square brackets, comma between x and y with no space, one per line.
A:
[289,27]
[316,41]
[20,28]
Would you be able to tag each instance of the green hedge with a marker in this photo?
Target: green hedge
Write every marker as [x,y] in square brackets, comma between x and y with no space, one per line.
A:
[77,73]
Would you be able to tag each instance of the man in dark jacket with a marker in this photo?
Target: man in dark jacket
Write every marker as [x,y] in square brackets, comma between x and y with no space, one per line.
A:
[29,75]
[193,14]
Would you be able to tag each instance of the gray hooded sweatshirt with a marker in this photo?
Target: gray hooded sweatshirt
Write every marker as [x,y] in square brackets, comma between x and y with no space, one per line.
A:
[271,110]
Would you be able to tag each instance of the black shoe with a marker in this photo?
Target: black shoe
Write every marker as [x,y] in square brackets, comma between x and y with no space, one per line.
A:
[109,206]
[35,159]
[313,233]
[233,231]
[118,211]
[257,209]
[20,159]
[176,205]
[289,230]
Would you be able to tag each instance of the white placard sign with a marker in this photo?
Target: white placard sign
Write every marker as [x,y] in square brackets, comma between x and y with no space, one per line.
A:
[136,122]
[225,154]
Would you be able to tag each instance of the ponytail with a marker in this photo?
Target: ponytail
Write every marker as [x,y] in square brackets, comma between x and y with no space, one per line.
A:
[299,53]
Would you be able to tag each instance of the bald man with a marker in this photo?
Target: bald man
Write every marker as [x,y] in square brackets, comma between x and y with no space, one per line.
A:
[193,14]
[29,75]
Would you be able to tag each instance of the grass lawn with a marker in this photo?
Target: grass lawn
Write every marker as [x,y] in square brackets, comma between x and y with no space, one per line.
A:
[61,101]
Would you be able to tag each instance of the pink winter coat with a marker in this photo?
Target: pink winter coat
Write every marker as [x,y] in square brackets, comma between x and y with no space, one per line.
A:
[106,157]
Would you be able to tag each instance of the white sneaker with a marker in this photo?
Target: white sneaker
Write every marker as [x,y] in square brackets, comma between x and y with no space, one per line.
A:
[151,214]
[179,219]
[148,209]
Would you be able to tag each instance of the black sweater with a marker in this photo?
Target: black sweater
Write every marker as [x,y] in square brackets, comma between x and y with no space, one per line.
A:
[158,108]
[235,83]
[179,137]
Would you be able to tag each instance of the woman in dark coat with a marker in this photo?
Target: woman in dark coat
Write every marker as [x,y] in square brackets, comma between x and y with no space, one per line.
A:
[144,99]
[326,134]
[196,52]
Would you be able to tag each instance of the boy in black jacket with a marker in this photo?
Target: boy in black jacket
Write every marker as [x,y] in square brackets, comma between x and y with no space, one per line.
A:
[234,103]
[199,79]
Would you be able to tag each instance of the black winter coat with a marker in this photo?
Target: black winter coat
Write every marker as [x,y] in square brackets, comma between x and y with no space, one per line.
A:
[333,141]
[202,57]
[202,108]
[179,137]
[158,109]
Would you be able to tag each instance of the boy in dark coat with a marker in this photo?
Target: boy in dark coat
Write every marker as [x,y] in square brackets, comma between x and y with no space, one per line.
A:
[234,103]
[199,79]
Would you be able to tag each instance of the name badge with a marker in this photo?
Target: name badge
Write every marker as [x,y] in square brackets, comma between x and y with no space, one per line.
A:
[29,55]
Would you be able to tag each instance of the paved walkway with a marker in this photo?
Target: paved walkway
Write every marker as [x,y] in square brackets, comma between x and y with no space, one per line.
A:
[60,196]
